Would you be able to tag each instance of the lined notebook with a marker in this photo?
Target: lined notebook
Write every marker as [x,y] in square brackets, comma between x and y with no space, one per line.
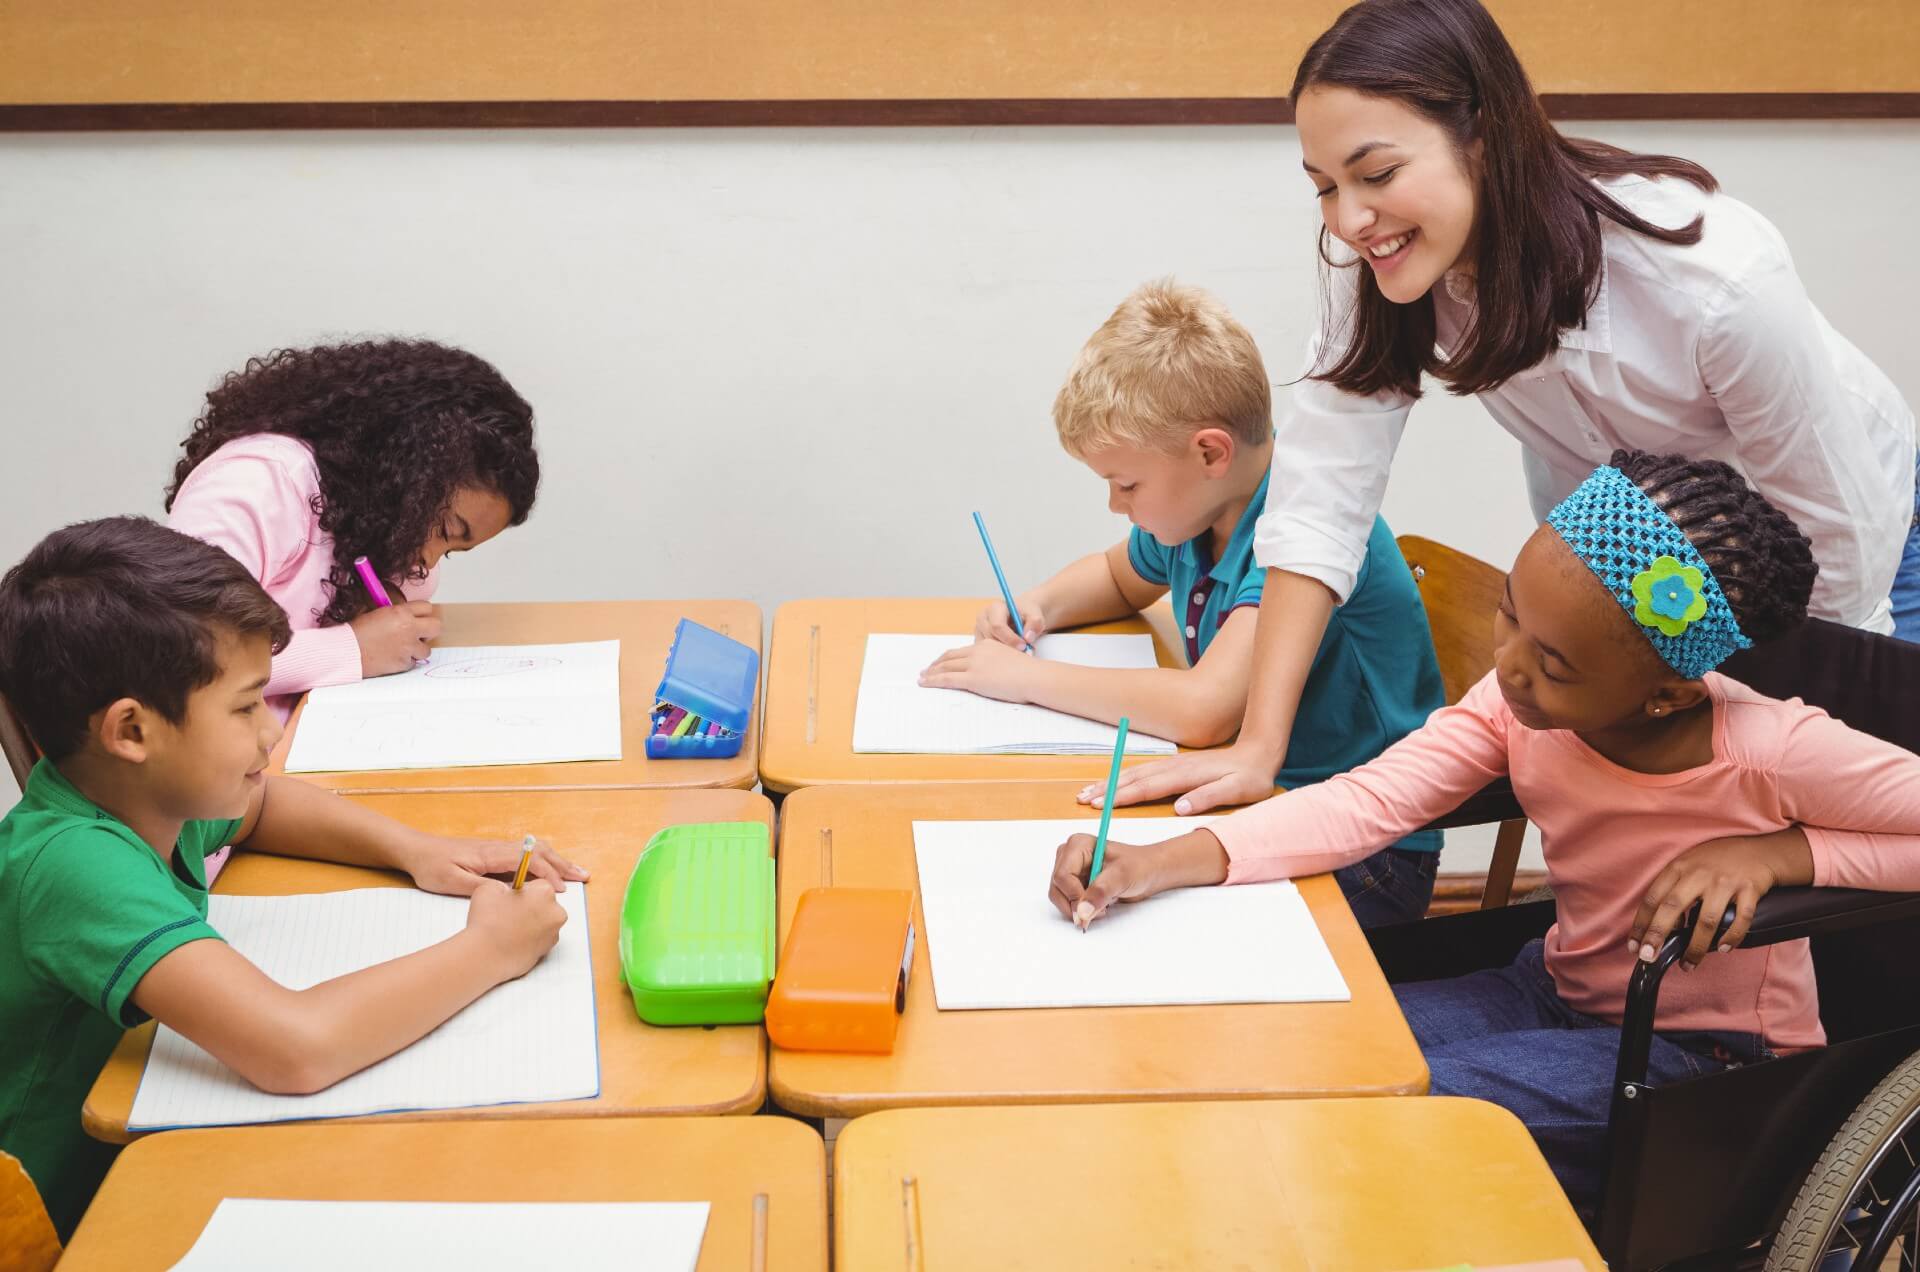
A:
[895,715]
[246,1234]
[467,706]
[530,1039]
[995,940]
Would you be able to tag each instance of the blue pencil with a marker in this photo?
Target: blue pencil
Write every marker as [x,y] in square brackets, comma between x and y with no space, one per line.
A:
[1106,807]
[1006,592]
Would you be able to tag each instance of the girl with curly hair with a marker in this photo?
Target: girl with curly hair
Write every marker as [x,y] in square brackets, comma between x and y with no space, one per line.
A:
[400,451]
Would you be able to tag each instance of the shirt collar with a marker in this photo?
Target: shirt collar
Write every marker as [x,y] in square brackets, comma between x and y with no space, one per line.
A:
[1232,564]
[47,785]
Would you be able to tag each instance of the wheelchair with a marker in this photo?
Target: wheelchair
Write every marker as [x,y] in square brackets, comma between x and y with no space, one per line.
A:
[1808,1161]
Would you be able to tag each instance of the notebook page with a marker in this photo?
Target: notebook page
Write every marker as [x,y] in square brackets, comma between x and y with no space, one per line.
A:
[530,1039]
[469,705]
[995,940]
[895,715]
[246,1234]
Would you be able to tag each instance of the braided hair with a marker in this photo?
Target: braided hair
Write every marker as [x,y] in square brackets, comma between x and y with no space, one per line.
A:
[396,428]
[1764,564]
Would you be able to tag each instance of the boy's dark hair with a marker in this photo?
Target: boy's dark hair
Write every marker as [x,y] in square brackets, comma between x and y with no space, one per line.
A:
[119,608]
[396,427]
[1764,564]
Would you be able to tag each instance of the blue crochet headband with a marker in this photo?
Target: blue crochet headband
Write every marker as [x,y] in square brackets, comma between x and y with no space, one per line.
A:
[1652,569]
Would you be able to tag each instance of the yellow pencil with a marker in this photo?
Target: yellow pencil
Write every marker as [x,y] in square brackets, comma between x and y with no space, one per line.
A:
[526,855]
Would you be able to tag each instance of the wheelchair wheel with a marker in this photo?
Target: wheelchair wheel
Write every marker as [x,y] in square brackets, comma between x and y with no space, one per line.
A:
[1860,1206]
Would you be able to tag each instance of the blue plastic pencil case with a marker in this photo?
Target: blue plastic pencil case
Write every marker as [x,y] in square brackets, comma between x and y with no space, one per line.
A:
[705,701]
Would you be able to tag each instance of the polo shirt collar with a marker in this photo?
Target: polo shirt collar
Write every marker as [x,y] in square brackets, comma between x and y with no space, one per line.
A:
[1232,565]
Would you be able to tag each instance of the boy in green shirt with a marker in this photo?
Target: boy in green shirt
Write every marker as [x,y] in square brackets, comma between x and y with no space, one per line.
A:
[136,657]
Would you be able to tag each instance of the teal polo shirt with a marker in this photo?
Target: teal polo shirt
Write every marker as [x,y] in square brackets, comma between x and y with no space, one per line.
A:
[1374,678]
[86,909]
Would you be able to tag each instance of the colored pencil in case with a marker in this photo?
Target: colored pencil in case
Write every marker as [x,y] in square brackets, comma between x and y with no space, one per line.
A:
[686,722]
[671,719]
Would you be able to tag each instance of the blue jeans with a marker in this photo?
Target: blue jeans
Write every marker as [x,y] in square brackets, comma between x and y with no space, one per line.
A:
[1395,885]
[1906,583]
[1504,1035]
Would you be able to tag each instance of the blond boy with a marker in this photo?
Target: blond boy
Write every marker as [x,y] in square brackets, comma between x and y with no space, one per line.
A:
[1170,405]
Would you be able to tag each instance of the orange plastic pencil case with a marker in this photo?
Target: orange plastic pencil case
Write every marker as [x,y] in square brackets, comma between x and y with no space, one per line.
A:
[842,978]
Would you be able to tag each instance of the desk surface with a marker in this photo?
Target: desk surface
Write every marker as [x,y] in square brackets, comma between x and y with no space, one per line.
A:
[1362,1185]
[162,1191]
[813,681]
[645,632]
[1362,1047]
[643,1070]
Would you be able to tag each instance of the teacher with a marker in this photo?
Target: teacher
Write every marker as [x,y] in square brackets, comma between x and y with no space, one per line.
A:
[1591,298]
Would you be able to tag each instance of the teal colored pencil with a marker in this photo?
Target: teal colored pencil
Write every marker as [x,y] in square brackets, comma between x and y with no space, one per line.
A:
[1006,593]
[1106,807]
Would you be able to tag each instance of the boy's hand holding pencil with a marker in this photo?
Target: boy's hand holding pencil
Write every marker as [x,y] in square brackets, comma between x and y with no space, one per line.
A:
[456,867]
[993,623]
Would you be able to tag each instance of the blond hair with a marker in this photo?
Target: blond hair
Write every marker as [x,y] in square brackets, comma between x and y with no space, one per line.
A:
[1170,359]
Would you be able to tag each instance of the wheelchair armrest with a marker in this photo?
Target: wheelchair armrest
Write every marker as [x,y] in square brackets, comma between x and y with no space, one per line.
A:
[1493,802]
[1785,914]
[1455,944]
[1788,914]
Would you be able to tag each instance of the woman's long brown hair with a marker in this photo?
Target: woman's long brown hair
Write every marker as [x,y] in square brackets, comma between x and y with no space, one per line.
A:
[1537,223]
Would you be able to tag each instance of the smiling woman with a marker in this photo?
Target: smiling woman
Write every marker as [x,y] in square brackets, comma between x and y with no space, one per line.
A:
[1591,298]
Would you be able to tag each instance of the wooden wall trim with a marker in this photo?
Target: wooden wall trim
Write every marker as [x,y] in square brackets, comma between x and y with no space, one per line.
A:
[968,112]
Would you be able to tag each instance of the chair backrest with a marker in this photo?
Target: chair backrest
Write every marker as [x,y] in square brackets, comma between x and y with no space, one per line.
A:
[1460,593]
[26,1233]
[1869,682]
[20,751]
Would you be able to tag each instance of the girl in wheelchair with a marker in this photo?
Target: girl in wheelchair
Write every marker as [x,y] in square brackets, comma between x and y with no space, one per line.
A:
[1656,783]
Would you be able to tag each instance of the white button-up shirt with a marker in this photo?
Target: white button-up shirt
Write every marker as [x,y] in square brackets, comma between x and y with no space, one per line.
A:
[1712,351]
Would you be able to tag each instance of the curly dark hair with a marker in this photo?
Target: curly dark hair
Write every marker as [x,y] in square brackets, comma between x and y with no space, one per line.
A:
[1762,561]
[396,427]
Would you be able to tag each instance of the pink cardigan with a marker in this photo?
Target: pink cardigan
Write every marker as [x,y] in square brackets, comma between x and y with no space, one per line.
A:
[255,498]
[1607,832]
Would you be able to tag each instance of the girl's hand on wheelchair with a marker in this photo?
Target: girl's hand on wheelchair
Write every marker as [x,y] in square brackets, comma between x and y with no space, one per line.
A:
[1736,871]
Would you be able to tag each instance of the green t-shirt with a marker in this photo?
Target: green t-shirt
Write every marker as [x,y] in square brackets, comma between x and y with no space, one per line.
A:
[86,908]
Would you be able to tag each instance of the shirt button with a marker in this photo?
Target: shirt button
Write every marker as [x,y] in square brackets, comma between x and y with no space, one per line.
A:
[1190,631]
[1199,598]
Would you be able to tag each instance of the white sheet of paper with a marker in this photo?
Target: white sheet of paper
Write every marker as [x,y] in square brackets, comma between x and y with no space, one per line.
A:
[895,715]
[248,1233]
[467,706]
[530,1039]
[995,940]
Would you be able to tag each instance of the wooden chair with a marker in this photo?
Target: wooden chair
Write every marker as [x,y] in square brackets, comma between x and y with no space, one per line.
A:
[20,751]
[1460,594]
[27,1239]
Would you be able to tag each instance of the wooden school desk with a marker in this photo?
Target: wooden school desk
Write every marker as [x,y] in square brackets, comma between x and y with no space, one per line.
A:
[643,1070]
[162,1191]
[645,632]
[862,836]
[813,680]
[1360,1185]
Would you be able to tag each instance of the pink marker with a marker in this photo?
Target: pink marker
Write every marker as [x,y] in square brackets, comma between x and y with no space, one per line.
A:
[372,580]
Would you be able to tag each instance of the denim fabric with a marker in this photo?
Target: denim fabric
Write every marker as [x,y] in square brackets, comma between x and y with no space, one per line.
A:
[1906,583]
[1503,1035]
[1395,885]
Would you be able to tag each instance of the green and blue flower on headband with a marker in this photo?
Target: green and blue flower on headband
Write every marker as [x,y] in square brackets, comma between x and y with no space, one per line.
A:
[1653,570]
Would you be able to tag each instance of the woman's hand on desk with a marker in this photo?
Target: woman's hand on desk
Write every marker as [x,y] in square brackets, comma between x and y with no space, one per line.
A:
[1203,780]
[457,867]
[987,668]
[1131,872]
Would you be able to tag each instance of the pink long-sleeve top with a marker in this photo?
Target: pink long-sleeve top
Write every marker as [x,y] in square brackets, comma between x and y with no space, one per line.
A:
[255,497]
[1607,831]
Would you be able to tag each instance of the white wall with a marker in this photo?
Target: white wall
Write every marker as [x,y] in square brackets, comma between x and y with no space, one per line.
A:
[766,363]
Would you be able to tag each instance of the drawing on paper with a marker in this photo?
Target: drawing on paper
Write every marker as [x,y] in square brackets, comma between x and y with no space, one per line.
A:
[489,668]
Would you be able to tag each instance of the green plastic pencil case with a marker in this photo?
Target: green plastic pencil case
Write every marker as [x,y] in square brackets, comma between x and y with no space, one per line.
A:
[697,925]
